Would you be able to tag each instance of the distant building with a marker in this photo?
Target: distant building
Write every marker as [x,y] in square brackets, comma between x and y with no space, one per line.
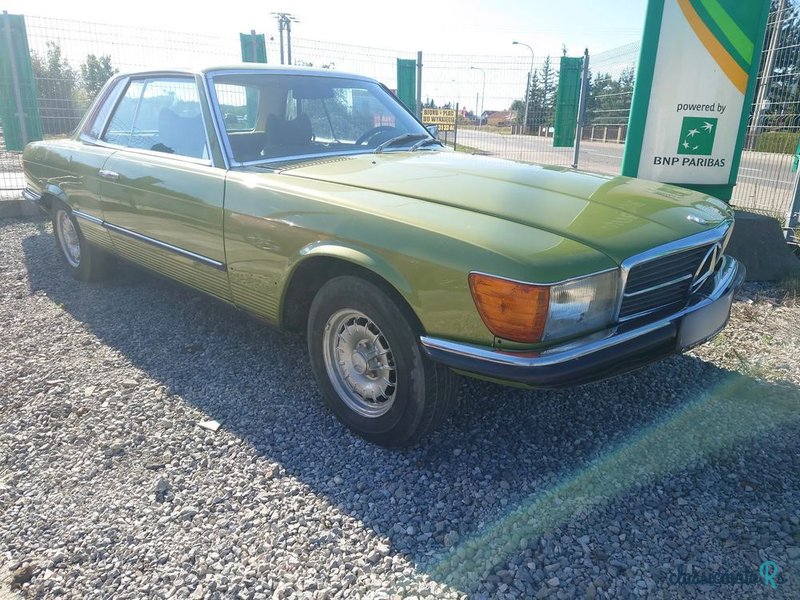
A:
[499,118]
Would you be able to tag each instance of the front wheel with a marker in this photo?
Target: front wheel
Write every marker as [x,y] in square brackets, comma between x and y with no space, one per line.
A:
[366,359]
[83,261]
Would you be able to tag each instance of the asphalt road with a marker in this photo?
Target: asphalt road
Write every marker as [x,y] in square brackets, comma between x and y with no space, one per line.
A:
[765,180]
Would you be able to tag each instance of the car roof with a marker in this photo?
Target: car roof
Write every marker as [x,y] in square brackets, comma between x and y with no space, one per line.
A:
[256,68]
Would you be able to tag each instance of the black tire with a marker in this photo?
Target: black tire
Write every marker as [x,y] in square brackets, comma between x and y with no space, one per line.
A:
[417,394]
[89,263]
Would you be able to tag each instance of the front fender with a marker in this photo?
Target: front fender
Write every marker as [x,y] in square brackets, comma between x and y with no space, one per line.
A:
[360,256]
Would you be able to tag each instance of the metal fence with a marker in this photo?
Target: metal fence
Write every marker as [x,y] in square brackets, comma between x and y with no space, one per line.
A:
[71,59]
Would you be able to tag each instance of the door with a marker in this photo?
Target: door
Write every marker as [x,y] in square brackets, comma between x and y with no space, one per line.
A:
[161,194]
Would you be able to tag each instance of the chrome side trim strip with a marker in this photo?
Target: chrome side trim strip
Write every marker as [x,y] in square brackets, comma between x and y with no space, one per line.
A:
[87,217]
[159,244]
[725,279]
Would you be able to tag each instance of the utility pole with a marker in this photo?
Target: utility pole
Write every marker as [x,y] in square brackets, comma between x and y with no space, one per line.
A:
[581,108]
[289,41]
[285,21]
[483,94]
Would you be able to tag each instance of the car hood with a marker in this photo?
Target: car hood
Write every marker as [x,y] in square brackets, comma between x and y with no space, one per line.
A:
[618,216]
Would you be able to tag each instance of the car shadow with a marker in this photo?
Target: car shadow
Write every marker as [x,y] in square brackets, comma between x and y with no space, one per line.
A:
[505,472]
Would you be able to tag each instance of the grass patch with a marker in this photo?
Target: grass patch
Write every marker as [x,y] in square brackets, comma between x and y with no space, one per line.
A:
[782,142]
[467,149]
[791,287]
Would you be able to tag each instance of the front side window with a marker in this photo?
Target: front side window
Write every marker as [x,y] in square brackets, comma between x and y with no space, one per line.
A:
[269,117]
[162,115]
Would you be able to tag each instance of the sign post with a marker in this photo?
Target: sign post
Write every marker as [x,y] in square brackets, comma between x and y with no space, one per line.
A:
[695,84]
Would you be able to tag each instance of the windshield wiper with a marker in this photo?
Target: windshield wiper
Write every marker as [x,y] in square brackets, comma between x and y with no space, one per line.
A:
[425,142]
[400,138]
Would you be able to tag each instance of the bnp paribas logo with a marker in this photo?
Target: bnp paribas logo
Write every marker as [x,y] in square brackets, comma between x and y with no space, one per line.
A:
[697,135]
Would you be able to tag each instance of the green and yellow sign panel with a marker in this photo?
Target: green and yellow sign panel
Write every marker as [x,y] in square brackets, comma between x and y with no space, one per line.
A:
[695,83]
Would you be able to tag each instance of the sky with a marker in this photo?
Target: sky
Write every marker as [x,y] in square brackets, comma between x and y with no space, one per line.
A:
[462,42]
[471,26]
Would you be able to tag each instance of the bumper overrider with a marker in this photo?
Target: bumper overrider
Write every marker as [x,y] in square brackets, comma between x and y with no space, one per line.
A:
[617,350]
[34,197]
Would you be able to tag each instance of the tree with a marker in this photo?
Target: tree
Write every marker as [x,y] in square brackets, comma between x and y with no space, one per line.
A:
[56,84]
[542,102]
[609,101]
[782,102]
[541,99]
[95,71]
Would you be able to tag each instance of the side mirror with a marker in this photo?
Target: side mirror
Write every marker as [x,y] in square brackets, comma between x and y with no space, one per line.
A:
[433,130]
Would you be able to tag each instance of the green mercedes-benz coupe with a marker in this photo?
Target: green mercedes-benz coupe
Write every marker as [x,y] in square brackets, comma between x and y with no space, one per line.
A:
[314,200]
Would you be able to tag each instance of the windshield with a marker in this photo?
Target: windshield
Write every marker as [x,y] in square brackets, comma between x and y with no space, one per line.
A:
[271,117]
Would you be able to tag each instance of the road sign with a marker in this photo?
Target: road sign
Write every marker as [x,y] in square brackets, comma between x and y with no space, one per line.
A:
[695,83]
[443,118]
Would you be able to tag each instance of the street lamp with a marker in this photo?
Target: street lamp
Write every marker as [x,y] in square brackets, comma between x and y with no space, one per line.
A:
[483,93]
[528,89]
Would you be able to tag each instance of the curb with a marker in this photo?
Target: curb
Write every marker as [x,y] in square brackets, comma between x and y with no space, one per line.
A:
[759,244]
[19,208]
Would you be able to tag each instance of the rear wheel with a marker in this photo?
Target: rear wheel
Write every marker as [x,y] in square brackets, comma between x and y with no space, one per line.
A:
[366,358]
[83,261]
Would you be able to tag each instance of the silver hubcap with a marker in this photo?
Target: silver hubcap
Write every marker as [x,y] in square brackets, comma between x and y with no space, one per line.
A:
[68,237]
[360,363]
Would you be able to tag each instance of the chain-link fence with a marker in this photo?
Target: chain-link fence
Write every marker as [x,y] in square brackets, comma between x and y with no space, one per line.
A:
[506,104]
[766,179]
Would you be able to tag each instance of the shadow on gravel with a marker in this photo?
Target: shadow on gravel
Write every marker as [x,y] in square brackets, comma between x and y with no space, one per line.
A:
[513,477]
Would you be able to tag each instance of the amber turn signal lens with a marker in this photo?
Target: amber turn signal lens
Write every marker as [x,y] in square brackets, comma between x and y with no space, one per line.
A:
[512,311]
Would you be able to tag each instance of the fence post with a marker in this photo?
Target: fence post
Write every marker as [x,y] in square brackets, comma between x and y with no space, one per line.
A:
[12,59]
[455,128]
[581,108]
[793,214]
[419,85]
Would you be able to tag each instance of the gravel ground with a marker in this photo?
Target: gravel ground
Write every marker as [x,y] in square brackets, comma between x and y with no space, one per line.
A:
[660,484]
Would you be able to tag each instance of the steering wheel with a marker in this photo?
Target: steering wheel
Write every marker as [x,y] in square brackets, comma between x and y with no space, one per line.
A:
[368,135]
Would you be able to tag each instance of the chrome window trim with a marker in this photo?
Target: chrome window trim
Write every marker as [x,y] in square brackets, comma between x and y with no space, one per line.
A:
[225,144]
[213,109]
[110,94]
[219,122]
[710,236]
[148,76]
[167,155]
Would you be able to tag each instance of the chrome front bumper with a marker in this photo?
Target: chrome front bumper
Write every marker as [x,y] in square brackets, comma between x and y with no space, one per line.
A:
[617,350]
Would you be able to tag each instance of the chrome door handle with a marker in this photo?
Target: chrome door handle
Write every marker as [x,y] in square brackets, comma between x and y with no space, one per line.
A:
[110,175]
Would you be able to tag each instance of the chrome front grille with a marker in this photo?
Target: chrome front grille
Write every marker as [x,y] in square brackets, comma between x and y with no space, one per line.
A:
[665,282]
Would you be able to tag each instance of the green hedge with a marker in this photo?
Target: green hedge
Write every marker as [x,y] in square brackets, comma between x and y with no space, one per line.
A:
[782,142]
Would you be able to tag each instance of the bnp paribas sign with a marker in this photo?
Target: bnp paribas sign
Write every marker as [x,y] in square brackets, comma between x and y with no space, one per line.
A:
[694,86]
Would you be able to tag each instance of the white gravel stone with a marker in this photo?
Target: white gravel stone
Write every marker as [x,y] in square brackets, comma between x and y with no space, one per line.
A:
[108,488]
